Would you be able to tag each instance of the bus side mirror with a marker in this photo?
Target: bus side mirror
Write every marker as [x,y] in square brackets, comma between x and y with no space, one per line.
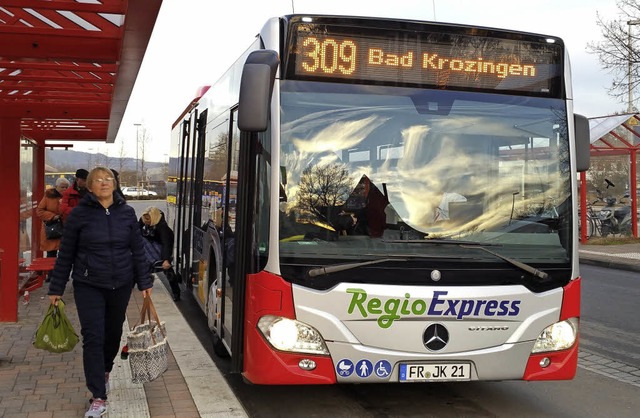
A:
[256,87]
[583,142]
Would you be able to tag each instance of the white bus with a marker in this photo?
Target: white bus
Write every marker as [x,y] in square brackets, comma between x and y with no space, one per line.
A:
[368,200]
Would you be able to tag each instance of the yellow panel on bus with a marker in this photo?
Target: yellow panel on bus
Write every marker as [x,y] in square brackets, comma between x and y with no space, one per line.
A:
[202,267]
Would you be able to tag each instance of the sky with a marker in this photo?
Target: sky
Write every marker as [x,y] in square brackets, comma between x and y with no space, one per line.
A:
[195,41]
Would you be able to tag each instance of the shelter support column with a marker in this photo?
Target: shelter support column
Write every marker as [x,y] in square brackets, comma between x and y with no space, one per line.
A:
[9,217]
[583,205]
[633,190]
[38,194]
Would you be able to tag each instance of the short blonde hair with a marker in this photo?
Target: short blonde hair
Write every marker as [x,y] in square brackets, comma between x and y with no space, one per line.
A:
[93,173]
[154,215]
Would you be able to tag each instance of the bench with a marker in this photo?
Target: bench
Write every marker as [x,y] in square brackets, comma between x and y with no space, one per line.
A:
[39,268]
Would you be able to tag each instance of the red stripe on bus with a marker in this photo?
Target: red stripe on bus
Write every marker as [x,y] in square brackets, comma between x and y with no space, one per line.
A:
[563,363]
[269,294]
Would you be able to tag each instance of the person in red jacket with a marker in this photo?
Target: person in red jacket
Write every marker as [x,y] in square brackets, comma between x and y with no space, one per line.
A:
[73,194]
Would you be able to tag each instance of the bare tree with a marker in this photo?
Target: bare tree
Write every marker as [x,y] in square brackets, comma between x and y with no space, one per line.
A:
[127,177]
[323,189]
[216,163]
[106,158]
[614,168]
[165,168]
[619,51]
[121,154]
[98,158]
[102,159]
[145,139]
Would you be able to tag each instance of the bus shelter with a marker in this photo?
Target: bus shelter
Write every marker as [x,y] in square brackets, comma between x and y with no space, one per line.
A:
[615,141]
[67,69]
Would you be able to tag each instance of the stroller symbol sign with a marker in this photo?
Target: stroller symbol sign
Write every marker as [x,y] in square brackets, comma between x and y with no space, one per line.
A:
[344,367]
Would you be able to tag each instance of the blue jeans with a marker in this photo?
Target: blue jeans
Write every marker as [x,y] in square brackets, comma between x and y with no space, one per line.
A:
[101,313]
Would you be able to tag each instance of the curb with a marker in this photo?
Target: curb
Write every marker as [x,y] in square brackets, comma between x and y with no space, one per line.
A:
[612,264]
[209,389]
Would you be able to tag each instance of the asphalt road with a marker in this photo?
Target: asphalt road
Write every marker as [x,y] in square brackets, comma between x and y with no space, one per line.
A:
[609,324]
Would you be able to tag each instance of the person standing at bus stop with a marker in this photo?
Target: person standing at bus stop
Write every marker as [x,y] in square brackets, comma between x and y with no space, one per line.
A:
[49,210]
[73,194]
[103,251]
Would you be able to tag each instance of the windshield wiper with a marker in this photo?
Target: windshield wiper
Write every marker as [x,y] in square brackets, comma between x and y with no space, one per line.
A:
[321,271]
[532,270]
[482,246]
[334,268]
[441,241]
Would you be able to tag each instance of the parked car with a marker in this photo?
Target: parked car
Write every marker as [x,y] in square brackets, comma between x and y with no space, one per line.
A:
[135,192]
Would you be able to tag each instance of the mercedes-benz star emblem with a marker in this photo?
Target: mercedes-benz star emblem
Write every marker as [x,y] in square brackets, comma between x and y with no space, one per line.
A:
[435,337]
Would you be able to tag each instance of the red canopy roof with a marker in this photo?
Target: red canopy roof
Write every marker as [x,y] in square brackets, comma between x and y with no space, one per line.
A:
[67,68]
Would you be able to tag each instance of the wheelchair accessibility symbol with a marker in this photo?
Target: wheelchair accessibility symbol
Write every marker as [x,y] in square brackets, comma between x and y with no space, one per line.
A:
[382,369]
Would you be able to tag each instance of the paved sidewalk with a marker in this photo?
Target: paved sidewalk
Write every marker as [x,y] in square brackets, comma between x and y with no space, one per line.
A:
[35,383]
[623,257]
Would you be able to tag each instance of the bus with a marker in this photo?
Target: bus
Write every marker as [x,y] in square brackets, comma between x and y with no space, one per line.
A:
[396,202]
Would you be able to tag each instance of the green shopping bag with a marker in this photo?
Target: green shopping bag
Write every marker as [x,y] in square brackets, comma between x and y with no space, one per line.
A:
[55,333]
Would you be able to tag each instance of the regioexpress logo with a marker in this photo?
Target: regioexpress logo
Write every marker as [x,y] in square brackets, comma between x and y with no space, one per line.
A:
[392,309]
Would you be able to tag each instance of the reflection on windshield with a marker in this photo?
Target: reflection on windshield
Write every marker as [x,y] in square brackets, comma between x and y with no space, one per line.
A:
[379,163]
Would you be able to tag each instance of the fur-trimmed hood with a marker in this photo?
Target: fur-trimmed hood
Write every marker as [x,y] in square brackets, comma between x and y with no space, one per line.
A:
[52,193]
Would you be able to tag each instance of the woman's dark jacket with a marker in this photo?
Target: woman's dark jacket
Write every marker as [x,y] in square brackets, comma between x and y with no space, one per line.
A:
[103,247]
[160,232]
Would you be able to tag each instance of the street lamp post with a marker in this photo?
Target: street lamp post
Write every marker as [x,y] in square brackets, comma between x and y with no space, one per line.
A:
[137,125]
[630,79]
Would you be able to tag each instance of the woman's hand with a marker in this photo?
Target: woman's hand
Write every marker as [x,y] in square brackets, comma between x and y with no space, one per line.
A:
[54,299]
[166,265]
[147,292]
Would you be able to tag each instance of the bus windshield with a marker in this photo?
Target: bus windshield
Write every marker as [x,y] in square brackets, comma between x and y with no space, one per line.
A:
[377,171]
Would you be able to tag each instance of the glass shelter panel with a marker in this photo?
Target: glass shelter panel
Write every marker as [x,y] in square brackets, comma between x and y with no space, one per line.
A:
[27,202]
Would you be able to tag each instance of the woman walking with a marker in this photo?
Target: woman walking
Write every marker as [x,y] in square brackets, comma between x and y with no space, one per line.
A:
[102,249]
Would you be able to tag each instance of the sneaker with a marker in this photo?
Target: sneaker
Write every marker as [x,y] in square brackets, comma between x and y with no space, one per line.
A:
[106,383]
[97,409]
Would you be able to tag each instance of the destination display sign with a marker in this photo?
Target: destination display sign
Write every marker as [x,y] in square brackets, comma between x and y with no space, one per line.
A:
[437,59]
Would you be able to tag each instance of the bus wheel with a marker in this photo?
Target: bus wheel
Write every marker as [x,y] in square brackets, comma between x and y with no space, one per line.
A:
[218,346]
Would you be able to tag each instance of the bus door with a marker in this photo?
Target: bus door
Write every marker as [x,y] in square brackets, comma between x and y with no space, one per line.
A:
[189,194]
[180,226]
[198,187]
[194,218]
[229,232]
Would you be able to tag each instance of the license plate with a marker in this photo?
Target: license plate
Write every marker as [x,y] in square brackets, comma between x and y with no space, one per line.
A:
[434,372]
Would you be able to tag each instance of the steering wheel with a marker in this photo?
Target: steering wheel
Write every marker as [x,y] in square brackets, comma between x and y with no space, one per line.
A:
[609,183]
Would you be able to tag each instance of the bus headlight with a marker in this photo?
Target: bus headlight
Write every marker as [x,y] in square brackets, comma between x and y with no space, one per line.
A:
[558,336]
[290,335]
